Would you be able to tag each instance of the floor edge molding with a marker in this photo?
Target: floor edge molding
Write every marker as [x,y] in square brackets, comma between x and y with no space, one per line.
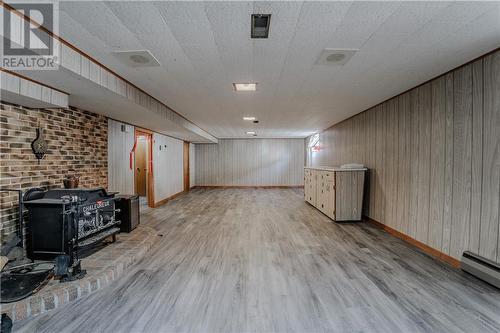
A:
[424,247]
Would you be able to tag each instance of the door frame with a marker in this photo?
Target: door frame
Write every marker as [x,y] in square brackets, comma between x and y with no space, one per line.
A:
[150,179]
[141,140]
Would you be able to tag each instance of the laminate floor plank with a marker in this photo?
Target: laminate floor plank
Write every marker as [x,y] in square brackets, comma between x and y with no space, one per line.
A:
[263,260]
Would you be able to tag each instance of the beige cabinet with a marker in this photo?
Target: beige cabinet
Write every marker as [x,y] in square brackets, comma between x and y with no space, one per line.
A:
[336,192]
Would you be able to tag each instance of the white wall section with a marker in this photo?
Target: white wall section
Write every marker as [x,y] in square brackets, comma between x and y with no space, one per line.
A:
[18,90]
[167,166]
[120,176]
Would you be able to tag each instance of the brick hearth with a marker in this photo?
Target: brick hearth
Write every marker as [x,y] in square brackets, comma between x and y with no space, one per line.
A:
[103,267]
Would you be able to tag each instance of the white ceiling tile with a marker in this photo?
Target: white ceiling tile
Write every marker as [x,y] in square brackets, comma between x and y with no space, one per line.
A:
[449,20]
[413,15]
[205,46]
[360,22]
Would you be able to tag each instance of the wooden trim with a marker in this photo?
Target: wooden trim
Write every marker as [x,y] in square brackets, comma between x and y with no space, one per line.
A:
[31,80]
[164,201]
[425,248]
[249,186]
[143,131]
[74,48]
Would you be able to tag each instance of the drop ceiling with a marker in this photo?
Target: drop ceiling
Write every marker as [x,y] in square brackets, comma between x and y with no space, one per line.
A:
[203,47]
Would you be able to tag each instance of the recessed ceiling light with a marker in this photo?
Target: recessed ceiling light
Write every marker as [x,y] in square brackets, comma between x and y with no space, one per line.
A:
[249,118]
[245,86]
[250,133]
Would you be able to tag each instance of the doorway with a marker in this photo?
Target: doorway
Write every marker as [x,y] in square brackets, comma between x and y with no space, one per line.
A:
[143,166]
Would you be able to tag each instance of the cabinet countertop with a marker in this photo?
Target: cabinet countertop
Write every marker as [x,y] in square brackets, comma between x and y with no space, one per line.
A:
[336,169]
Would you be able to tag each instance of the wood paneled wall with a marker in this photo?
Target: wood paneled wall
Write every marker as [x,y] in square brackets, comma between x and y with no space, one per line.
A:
[192,162]
[167,166]
[434,155]
[167,162]
[250,162]
[120,143]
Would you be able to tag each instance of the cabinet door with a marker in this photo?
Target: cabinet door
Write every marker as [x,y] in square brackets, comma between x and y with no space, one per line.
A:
[329,209]
[320,191]
[312,187]
[307,185]
[330,175]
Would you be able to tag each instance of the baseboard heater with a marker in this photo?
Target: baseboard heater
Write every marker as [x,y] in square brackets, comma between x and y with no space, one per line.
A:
[481,268]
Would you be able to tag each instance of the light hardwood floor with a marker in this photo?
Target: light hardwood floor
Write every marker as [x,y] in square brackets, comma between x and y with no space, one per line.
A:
[262,260]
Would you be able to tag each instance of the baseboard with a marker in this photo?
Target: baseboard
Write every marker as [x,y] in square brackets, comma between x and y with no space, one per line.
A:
[424,247]
[249,186]
[164,201]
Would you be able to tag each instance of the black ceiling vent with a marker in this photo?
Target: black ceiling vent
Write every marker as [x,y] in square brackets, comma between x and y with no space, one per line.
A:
[260,25]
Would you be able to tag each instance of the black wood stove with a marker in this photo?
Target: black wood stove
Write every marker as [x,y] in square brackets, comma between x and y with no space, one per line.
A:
[65,221]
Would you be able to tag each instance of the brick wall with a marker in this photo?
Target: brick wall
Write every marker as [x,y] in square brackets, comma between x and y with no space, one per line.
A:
[76,140]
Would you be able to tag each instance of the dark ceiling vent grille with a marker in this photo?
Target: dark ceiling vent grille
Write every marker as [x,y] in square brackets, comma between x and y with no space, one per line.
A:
[260,25]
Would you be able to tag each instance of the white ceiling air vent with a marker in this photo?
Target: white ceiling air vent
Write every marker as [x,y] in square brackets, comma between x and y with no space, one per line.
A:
[139,58]
[260,25]
[335,57]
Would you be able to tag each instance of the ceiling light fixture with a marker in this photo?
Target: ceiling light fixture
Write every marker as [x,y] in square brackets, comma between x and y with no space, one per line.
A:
[245,86]
[249,118]
[251,133]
